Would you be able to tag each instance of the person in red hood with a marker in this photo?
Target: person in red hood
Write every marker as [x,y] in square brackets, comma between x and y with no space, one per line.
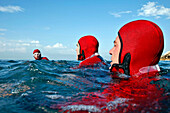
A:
[137,48]
[87,51]
[37,55]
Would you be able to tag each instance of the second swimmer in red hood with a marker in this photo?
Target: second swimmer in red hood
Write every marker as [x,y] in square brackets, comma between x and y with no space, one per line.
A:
[87,51]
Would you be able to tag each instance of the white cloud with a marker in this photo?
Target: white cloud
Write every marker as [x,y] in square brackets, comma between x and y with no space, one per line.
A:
[1,29]
[20,41]
[119,14]
[2,38]
[35,42]
[11,46]
[22,44]
[17,49]
[2,33]
[11,9]
[17,45]
[151,9]
[57,45]
[26,44]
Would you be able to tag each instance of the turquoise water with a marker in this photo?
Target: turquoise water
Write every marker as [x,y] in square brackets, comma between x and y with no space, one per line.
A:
[47,87]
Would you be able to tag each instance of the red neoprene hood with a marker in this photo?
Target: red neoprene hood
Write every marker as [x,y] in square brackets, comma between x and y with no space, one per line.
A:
[144,41]
[36,50]
[88,46]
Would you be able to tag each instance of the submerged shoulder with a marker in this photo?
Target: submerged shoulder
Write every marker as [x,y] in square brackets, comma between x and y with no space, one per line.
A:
[45,58]
[91,61]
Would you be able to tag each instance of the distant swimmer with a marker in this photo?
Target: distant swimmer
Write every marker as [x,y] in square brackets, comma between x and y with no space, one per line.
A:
[37,55]
[87,51]
[137,48]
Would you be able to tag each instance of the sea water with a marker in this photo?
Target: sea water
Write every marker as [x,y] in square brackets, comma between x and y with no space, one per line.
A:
[53,86]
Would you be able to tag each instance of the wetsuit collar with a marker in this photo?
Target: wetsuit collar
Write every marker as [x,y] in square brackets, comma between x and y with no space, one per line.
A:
[95,54]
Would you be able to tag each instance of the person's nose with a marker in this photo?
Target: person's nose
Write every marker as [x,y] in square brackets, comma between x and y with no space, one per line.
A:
[111,51]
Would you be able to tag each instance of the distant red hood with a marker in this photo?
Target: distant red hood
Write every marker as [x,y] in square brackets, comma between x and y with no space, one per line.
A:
[36,50]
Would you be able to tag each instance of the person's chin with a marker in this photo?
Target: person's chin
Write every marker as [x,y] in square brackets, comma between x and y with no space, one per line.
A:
[37,58]
[111,63]
[77,58]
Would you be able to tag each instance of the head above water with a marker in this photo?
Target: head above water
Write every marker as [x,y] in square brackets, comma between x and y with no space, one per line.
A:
[139,44]
[37,54]
[86,46]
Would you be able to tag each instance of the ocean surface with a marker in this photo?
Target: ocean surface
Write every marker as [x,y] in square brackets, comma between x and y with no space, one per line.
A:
[57,86]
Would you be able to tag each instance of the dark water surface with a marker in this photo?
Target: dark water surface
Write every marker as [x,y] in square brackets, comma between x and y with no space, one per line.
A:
[49,87]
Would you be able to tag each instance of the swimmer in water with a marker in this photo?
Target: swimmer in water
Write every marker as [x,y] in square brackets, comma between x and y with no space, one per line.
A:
[87,51]
[137,48]
[37,55]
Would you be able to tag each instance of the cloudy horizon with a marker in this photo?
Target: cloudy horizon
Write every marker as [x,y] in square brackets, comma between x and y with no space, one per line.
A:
[56,29]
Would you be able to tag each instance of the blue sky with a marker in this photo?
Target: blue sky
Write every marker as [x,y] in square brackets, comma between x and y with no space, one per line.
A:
[54,26]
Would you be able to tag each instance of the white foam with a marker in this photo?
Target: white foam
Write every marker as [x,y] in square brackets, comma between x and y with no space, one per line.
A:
[90,108]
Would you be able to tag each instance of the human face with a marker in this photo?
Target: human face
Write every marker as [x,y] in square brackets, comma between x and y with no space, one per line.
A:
[115,51]
[78,50]
[37,55]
